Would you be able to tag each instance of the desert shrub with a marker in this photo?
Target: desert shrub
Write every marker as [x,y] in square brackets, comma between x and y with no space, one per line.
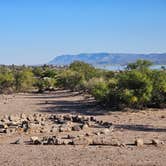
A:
[38,71]
[46,78]
[6,82]
[50,73]
[107,75]
[98,88]
[135,88]
[113,97]
[24,80]
[44,71]
[159,88]
[46,83]
[86,70]
[69,79]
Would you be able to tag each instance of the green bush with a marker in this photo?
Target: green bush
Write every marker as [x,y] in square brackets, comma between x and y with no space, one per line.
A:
[86,70]
[98,88]
[6,82]
[135,88]
[69,79]
[45,83]
[159,88]
[24,80]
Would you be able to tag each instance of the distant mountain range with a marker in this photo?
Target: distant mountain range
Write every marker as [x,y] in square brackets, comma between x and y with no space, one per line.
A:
[101,59]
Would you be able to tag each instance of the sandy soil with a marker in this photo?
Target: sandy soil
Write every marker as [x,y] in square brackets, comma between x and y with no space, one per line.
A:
[128,126]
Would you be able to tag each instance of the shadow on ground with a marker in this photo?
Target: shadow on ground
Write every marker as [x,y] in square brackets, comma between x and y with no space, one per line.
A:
[138,127]
[68,102]
[74,107]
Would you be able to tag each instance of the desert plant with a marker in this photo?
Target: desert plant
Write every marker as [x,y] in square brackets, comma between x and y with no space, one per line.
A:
[24,80]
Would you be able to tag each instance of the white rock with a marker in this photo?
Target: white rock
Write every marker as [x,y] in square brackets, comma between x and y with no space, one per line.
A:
[139,142]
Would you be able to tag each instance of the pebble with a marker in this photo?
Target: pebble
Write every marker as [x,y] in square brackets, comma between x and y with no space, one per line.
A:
[139,142]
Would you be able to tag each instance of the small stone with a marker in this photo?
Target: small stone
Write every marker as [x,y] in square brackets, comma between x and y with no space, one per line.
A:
[67,117]
[30,118]
[97,141]
[14,118]
[111,128]
[3,120]
[101,122]
[59,141]
[81,141]
[107,124]
[13,124]
[41,131]
[42,124]
[115,142]
[54,129]
[35,115]
[69,123]
[25,125]
[23,116]
[89,134]
[42,119]
[18,130]
[155,142]
[64,128]
[105,131]
[97,121]
[66,142]
[85,127]
[40,115]
[78,119]
[90,124]
[92,118]
[35,140]
[51,140]
[97,133]
[2,130]
[3,126]
[105,141]
[60,121]
[139,142]
[70,137]
[76,128]
[162,143]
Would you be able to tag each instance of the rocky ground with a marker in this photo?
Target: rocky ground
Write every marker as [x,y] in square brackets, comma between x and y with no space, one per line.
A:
[67,128]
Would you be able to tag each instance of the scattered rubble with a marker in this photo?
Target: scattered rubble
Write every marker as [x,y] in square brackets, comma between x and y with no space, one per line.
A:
[58,129]
[50,123]
[53,124]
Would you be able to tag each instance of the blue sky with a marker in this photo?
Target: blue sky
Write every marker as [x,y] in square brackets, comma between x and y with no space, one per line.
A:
[35,31]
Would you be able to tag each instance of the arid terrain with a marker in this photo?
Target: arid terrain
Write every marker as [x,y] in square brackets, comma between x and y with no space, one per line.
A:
[124,128]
